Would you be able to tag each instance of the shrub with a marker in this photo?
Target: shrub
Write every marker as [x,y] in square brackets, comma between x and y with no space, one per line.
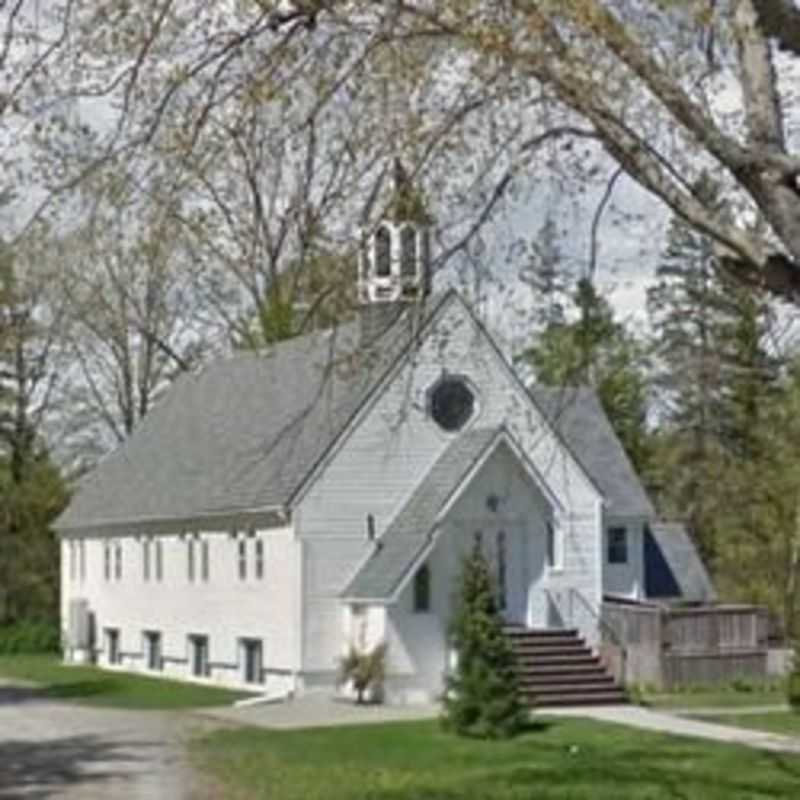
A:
[483,697]
[365,671]
[29,636]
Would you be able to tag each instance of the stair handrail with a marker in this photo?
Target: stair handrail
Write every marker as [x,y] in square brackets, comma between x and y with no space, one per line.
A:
[604,625]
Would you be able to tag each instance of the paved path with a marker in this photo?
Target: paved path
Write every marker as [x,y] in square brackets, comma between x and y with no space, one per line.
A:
[726,711]
[664,722]
[67,752]
[316,710]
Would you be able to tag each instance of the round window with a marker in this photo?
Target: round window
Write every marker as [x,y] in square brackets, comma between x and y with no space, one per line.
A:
[451,404]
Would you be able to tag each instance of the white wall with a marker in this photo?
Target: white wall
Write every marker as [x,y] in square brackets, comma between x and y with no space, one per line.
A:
[393,446]
[627,579]
[224,608]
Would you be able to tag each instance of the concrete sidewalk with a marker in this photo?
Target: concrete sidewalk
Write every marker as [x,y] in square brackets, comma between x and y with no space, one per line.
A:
[726,711]
[316,710]
[670,723]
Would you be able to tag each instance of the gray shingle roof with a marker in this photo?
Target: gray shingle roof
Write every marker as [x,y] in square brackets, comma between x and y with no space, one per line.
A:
[577,415]
[409,532]
[243,433]
[674,564]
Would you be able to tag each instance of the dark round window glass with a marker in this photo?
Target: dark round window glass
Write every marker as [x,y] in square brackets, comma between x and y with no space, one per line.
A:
[452,404]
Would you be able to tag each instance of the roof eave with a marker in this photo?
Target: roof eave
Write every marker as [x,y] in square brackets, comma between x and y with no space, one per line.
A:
[273,516]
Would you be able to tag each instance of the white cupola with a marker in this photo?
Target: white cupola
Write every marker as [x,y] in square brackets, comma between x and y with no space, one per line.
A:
[394,258]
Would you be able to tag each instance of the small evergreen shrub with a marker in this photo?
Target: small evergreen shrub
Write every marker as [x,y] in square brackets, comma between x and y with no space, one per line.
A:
[365,671]
[29,636]
[482,698]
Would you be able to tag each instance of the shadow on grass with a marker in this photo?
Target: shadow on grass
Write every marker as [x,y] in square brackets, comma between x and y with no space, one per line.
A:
[80,689]
[13,695]
[42,769]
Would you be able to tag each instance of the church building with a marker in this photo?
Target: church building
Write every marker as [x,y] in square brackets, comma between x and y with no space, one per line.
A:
[278,506]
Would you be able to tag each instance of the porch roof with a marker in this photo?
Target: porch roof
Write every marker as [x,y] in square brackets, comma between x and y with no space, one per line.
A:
[411,530]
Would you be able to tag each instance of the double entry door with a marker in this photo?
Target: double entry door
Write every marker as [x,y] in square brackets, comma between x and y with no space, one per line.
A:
[504,551]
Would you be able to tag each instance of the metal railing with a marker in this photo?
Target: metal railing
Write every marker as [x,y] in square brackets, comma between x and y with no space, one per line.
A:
[608,634]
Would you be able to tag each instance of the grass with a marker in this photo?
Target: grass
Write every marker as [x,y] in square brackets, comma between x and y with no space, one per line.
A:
[565,759]
[784,722]
[716,698]
[97,687]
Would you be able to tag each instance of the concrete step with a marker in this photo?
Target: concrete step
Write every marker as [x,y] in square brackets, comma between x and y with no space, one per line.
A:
[549,642]
[556,668]
[571,668]
[518,632]
[535,651]
[590,681]
[591,699]
[563,659]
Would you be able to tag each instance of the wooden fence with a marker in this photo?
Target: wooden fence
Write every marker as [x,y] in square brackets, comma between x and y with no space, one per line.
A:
[670,647]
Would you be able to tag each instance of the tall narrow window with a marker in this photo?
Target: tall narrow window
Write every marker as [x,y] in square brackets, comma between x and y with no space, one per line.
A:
[422,589]
[252,668]
[383,252]
[107,560]
[152,650]
[617,545]
[146,559]
[501,570]
[259,558]
[477,542]
[190,558]
[118,560]
[159,560]
[551,544]
[112,646]
[242,559]
[82,558]
[425,247]
[408,252]
[204,560]
[198,646]
[72,561]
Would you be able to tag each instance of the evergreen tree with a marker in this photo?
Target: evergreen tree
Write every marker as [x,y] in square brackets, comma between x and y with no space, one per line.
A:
[713,377]
[312,294]
[597,350]
[32,491]
[483,697]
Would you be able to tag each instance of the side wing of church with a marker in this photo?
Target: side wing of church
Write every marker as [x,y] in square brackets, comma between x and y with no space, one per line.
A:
[278,507]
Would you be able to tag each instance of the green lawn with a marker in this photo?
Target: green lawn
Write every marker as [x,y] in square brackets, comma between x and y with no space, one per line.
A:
[114,689]
[785,722]
[721,698]
[566,759]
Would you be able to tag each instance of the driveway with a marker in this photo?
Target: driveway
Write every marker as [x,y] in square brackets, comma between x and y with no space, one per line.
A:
[61,751]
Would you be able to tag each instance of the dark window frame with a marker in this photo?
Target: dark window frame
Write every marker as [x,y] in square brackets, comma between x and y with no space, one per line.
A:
[422,590]
[617,545]
[451,403]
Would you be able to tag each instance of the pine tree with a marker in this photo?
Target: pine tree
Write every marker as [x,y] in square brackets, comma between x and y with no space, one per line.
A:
[714,375]
[597,350]
[483,697]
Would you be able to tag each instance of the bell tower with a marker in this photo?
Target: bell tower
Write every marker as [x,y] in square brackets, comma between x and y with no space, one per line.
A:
[394,257]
